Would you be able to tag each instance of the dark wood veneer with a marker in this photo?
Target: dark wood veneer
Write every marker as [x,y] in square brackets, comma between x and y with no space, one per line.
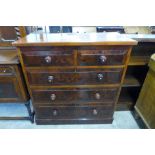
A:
[74,96]
[48,58]
[81,113]
[70,77]
[73,79]
[101,57]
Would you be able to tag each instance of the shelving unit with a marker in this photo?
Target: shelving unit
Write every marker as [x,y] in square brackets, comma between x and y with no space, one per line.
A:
[135,75]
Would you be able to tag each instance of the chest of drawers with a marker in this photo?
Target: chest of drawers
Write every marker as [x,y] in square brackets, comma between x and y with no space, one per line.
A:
[73,78]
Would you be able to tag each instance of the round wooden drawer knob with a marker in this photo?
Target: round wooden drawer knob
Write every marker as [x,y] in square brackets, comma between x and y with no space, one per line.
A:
[53,97]
[48,59]
[95,112]
[103,59]
[55,112]
[50,78]
[100,76]
[97,96]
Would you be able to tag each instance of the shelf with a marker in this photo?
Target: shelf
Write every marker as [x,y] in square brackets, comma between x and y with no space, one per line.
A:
[138,60]
[9,57]
[131,81]
[125,101]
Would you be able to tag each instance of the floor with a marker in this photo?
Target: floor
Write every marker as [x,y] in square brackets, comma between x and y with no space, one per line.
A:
[122,120]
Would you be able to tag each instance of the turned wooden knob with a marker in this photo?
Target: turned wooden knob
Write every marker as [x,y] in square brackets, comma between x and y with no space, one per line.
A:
[100,76]
[95,112]
[97,96]
[55,112]
[48,59]
[103,59]
[53,97]
[50,78]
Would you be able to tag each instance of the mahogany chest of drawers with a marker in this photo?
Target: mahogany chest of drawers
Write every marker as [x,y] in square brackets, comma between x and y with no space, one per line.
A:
[74,78]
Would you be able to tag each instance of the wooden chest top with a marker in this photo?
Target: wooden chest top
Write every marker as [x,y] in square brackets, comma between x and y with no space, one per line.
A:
[74,39]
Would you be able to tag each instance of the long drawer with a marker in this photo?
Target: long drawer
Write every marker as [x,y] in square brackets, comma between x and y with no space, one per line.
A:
[71,77]
[68,112]
[76,96]
[101,57]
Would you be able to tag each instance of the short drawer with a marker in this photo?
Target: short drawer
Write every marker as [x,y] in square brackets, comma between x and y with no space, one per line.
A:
[54,57]
[67,112]
[101,57]
[78,77]
[76,96]
[6,70]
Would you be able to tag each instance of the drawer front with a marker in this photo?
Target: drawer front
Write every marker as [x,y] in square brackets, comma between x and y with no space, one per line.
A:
[74,96]
[51,77]
[101,57]
[84,112]
[79,77]
[48,58]
[6,70]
